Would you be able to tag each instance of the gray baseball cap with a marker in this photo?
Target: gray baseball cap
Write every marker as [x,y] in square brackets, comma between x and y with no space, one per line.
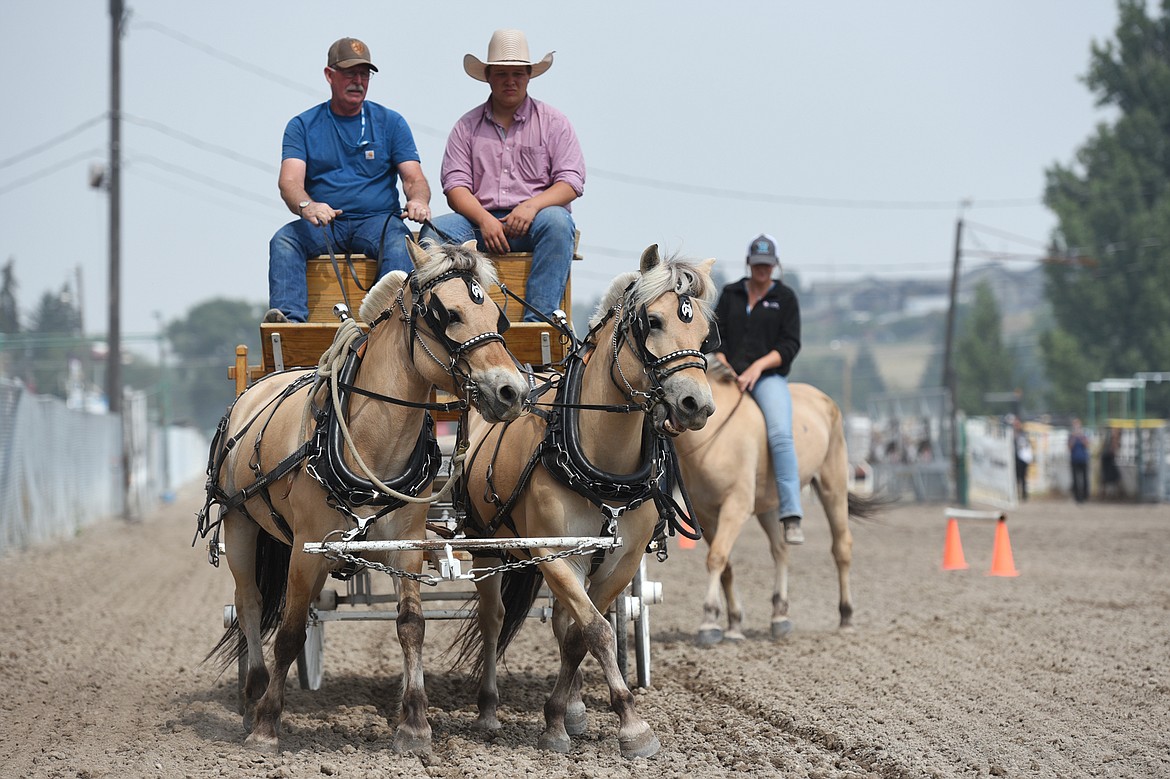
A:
[762,251]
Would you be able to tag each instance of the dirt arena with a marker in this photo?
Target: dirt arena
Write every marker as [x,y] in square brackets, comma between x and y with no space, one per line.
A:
[1063,671]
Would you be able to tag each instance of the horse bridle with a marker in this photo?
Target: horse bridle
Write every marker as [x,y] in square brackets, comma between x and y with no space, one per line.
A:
[633,327]
[429,310]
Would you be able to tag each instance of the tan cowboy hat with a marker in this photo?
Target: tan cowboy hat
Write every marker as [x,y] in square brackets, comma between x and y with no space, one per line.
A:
[507,47]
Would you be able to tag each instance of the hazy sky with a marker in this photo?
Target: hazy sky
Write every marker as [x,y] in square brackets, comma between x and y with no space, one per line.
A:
[849,130]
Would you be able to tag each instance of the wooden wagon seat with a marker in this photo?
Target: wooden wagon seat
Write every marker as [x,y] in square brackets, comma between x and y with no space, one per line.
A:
[289,345]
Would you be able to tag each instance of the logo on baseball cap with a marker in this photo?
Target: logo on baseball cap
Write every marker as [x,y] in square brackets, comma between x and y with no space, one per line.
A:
[347,52]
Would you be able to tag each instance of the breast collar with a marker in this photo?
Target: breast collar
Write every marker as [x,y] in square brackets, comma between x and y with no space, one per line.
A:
[563,458]
[329,467]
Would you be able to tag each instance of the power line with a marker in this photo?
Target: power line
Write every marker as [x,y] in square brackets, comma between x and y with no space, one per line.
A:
[198,143]
[24,155]
[801,200]
[1009,236]
[40,174]
[219,186]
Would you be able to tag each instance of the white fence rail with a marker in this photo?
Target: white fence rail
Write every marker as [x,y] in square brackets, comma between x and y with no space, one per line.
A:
[62,469]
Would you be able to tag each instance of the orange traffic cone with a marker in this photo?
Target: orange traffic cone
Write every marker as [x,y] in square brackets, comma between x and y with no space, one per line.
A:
[1002,563]
[683,541]
[953,559]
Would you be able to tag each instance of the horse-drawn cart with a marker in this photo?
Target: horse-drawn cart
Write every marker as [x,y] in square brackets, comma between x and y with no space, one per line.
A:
[295,345]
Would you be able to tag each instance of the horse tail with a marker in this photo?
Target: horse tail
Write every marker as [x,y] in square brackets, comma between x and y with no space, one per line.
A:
[863,507]
[272,561]
[518,590]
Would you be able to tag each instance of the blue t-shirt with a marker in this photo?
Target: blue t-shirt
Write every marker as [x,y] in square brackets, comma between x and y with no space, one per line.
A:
[351,166]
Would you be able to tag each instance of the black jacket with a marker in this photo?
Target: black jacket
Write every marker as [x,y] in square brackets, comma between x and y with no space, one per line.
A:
[773,324]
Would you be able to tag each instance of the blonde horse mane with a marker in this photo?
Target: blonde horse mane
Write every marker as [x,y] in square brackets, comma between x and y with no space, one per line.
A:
[673,273]
[443,258]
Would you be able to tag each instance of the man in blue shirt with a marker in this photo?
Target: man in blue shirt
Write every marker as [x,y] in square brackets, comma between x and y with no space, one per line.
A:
[339,173]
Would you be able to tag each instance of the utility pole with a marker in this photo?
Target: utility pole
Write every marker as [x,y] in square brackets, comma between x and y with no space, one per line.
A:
[114,355]
[949,369]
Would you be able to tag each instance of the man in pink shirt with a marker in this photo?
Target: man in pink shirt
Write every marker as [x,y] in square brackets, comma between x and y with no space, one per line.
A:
[511,169]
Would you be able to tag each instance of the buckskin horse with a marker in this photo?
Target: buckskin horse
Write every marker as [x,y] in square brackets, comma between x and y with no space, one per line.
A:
[727,468]
[347,452]
[594,462]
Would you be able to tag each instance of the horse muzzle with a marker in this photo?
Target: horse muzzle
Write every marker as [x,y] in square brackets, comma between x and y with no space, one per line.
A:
[501,396]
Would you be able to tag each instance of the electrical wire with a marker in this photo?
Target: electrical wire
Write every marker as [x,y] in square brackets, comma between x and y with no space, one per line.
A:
[43,172]
[24,155]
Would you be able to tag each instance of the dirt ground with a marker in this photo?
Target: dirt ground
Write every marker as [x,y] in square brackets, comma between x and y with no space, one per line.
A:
[1063,671]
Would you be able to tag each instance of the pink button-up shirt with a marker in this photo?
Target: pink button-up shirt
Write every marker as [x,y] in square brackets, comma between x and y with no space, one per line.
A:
[503,171]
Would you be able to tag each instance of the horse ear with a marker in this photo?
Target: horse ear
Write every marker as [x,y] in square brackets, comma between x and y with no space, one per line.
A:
[707,265]
[418,255]
[650,257]
[469,245]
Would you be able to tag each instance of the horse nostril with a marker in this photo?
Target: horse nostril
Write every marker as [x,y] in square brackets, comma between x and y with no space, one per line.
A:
[508,394]
[689,405]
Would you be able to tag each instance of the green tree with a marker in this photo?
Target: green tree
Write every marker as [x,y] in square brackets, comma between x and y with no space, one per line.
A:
[56,331]
[9,314]
[203,345]
[1110,293]
[983,364]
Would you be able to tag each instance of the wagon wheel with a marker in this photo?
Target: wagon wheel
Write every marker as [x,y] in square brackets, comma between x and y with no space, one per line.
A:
[641,627]
[310,662]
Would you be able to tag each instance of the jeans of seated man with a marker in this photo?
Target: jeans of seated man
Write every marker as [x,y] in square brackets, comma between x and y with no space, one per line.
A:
[550,239]
[293,244]
[772,396]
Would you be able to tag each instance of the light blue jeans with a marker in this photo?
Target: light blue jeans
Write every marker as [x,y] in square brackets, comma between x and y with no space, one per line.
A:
[550,239]
[771,394]
[293,244]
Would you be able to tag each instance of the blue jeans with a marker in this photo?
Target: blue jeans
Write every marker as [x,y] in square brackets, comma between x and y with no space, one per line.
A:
[550,239]
[771,394]
[293,244]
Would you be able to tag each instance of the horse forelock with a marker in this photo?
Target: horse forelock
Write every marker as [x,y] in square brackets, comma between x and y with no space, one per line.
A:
[381,295]
[453,257]
[673,274]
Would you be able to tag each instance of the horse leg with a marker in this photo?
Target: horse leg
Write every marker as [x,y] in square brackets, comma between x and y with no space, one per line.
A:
[726,530]
[490,613]
[591,632]
[240,536]
[576,719]
[835,500]
[306,574]
[781,624]
[413,733]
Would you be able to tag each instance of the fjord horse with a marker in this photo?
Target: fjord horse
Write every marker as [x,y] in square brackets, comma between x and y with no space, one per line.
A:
[642,379]
[433,328]
[727,468]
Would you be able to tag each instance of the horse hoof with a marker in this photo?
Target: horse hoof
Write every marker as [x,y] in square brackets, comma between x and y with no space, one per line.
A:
[405,742]
[554,743]
[576,720]
[268,745]
[710,636]
[781,629]
[489,723]
[734,635]
[645,745]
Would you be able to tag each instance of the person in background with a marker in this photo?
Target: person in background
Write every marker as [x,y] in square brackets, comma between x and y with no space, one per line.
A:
[511,170]
[759,322]
[339,172]
[1078,458]
[1024,456]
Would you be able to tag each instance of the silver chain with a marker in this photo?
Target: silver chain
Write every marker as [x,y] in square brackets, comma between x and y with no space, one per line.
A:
[481,573]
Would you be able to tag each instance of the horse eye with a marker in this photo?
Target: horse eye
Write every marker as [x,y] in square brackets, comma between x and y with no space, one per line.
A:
[455,318]
[655,322]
